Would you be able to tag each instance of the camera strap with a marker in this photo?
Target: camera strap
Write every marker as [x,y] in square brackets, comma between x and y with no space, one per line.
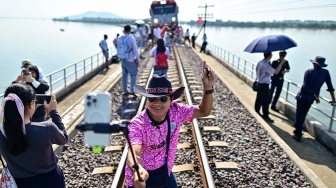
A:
[168,137]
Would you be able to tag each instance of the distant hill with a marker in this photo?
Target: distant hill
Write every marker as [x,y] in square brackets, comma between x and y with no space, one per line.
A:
[93,14]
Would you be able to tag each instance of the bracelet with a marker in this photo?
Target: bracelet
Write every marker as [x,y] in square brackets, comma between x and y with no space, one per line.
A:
[210,91]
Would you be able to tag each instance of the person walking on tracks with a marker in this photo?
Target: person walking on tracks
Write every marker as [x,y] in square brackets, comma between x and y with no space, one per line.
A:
[160,54]
[278,79]
[154,132]
[104,47]
[264,71]
[27,146]
[310,91]
[130,60]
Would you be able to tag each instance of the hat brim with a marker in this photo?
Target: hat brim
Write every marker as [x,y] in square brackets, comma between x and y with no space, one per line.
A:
[321,65]
[142,91]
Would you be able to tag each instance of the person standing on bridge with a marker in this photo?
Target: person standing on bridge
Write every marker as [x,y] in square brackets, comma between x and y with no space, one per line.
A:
[264,71]
[310,91]
[154,132]
[130,64]
[193,39]
[27,146]
[204,44]
[278,79]
[104,47]
[39,86]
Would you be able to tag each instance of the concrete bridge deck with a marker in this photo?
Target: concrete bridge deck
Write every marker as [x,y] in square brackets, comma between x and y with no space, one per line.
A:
[310,156]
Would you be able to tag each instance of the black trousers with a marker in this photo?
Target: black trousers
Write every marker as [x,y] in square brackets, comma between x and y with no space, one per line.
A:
[276,84]
[262,99]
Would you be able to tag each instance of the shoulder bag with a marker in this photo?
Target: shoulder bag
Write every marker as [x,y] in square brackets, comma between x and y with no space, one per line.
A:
[7,180]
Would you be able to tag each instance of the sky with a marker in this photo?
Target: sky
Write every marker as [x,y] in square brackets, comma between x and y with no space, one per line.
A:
[234,10]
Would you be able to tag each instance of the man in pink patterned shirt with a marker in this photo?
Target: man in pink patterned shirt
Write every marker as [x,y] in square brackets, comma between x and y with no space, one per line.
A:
[154,146]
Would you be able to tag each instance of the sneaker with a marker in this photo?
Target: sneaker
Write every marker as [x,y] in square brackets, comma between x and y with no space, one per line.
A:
[298,139]
[274,109]
[268,119]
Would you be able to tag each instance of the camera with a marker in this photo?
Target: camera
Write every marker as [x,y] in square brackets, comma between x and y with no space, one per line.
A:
[25,72]
[97,111]
[40,98]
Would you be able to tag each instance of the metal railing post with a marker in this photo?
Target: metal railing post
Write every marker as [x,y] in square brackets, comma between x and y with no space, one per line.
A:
[287,91]
[332,118]
[238,62]
[244,66]
[252,71]
[91,63]
[50,81]
[64,77]
[76,76]
[84,67]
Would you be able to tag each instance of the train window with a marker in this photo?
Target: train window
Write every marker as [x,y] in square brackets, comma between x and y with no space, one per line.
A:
[158,10]
[167,9]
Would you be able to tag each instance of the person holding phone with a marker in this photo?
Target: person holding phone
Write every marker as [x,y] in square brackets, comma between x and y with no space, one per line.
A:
[27,146]
[154,132]
[40,87]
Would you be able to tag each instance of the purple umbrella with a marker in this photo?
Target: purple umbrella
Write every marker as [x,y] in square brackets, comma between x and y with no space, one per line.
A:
[270,43]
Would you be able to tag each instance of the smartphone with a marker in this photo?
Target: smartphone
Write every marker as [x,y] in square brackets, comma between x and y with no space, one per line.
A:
[97,109]
[40,98]
[25,72]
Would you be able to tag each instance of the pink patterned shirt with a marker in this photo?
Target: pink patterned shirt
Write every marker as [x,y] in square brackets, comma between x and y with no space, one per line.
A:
[141,131]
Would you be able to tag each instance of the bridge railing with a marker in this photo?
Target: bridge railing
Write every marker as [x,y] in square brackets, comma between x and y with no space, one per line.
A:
[61,78]
[290,88]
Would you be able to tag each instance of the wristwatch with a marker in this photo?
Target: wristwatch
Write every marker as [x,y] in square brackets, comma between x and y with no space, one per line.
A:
[209,91]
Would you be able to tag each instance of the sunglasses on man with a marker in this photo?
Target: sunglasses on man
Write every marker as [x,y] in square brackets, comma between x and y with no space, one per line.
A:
[163,99]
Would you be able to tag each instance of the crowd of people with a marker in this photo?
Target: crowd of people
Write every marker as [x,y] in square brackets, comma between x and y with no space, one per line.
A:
[26,137]
[273,74]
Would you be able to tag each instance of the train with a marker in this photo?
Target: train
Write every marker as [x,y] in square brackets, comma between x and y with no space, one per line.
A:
[164,12]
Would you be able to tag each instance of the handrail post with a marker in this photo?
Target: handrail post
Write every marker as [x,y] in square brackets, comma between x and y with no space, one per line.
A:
[50,81]
[238,62]
[287,91]
[76,76]
[244,66]
[332,118]
[252,70]
[84,67]
[91,63]
[64,77]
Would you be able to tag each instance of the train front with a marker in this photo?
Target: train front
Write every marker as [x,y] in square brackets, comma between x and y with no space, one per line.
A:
[162,12]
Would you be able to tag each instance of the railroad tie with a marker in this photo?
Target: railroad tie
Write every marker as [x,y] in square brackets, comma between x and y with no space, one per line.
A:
[113,148]
[182,168]
[103,170]
[211,129]
[208,117]
[226,166]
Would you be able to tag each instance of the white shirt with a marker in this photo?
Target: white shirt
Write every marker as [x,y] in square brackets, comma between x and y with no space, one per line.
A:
[157,33]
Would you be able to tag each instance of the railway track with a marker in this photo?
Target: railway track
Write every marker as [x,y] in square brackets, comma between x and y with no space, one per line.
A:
[237,152]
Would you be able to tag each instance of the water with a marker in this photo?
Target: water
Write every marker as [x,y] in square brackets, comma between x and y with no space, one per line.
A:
[45,45]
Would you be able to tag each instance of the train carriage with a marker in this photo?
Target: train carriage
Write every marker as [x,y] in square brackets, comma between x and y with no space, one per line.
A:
[164,11]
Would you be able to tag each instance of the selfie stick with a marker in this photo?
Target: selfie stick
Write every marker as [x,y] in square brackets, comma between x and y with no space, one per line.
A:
[112,127]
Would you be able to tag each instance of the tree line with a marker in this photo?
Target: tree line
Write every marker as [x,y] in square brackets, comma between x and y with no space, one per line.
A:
[307,24]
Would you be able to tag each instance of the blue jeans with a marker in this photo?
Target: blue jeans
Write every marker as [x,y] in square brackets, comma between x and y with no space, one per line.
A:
[172,181]
[129,68]
[52,179]
[160,71]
